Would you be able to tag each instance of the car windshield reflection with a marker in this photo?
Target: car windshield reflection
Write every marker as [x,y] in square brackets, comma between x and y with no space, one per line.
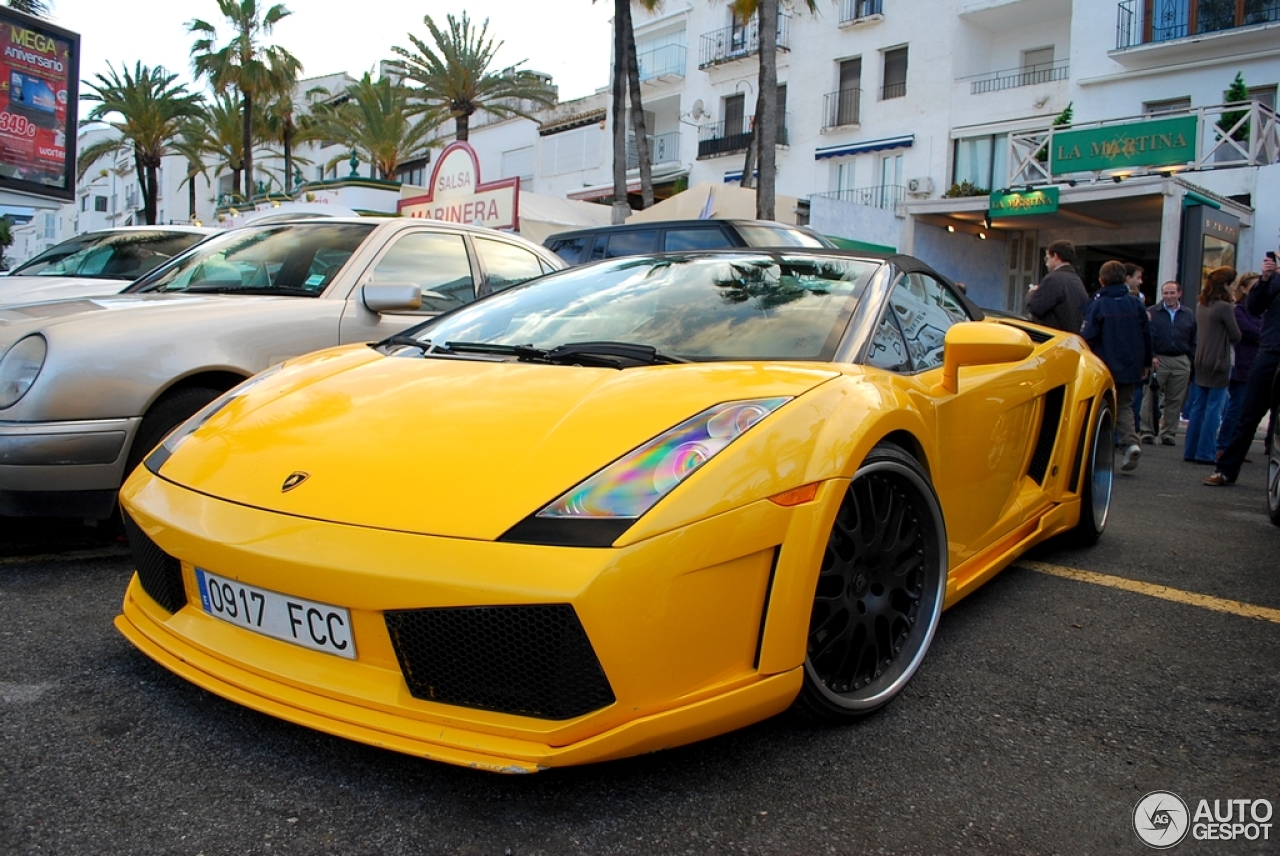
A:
[721,307]
[294,259]
[123,256]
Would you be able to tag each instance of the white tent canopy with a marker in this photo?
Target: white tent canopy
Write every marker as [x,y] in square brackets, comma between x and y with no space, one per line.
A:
[709,199]
[541,215]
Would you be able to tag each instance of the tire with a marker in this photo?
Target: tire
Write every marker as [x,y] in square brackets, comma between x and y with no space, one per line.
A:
[170,410]
[1273,466]
[880,591]
[1097,478]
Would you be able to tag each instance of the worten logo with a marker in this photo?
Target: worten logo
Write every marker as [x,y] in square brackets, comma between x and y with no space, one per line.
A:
[294,479]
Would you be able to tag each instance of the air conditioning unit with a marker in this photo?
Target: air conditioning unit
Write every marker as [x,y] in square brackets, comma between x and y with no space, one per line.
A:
[920,186]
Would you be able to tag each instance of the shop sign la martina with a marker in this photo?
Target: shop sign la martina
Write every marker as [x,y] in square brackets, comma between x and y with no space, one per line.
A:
[1154,142]
[457,195]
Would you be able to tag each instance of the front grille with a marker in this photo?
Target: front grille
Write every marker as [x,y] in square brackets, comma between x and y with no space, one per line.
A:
[159,573]
[1050,422]
[528,660]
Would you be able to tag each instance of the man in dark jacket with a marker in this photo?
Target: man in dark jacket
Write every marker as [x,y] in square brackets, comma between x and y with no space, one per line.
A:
[1264,300]
[1059,300]
[1173,334]
[1118,330]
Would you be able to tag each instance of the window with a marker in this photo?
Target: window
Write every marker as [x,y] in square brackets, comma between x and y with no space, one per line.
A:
[436,262]
[1037,59]
[850,92]
[981,161]
[694,239]
[49,222]
[569,249]
[571,151]
[733,109]
[518,163]
[1169,105]
[925,309]
[99,203]
[506,264]
[625,244]
[1264,94]
[84,203]
[895,74]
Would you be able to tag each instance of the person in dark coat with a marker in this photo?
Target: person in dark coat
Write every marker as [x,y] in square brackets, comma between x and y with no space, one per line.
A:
[1173,333]
[1250,326]
[1118,330]
[1059,300]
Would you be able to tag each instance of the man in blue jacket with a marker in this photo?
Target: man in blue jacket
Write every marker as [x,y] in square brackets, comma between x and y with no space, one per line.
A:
[1173,335]
[1118,330]
[1263,300]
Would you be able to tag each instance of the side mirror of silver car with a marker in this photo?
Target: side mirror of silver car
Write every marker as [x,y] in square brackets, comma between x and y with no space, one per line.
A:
[391,297]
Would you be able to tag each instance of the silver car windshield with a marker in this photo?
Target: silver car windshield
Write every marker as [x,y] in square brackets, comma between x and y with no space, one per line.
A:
[118,255]
[721,307]
[298,259]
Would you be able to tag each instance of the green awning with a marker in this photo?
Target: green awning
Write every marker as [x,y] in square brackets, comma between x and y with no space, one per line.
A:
[851,244]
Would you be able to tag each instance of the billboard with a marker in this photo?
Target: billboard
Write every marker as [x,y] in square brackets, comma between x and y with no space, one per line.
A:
[39,91]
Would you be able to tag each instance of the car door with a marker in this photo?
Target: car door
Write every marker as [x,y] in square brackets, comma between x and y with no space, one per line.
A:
[504,264]
[438,262]
[982,433]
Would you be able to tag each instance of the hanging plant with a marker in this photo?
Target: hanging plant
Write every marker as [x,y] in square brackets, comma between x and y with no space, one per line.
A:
[1062,120]
[1236,93]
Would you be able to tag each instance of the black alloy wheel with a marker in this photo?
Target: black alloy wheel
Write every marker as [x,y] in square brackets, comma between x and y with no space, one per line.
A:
[1273,466]
[880,590]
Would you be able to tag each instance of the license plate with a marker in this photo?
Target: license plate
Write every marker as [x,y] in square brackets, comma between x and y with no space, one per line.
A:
[318,626]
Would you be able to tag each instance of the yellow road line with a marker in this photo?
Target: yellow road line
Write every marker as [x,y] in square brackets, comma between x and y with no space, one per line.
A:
[75,555]
[1218,604]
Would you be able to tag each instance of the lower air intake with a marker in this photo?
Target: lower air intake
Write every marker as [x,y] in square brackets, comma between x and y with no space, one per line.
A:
[526,660]
[159,573]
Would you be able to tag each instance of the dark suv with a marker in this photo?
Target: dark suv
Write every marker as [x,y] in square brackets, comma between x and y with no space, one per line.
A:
[632,239]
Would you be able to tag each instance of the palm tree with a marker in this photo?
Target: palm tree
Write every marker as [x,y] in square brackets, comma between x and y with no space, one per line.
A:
[765,134]
[454,77]
[192,145]
[282,122]
[375,119]
[221,136]
[147,110]
[256,71]
[626,79]
[39,8]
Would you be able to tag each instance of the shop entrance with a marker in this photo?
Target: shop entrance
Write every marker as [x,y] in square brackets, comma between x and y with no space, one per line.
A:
[1089,261]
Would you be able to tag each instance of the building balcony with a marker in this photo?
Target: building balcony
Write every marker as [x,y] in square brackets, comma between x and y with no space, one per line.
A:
[725,138]
[886,196]
[664,63]
[739,42]
[1142,22]
[842,109]
[893,90]
[860,11]
[1012,78]
[663,148]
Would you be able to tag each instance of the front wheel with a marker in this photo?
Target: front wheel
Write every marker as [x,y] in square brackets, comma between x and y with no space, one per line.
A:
[1096,480]
[880,590]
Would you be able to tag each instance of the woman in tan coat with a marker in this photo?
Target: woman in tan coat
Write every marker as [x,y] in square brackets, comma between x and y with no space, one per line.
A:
[1216,332]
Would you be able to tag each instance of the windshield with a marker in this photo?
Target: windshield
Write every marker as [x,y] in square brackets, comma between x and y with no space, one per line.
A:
[115,255]
[721,307]
[299,259]
[757,235]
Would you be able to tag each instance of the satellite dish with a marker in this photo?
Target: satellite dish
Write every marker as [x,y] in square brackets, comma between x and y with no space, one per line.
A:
[698,111]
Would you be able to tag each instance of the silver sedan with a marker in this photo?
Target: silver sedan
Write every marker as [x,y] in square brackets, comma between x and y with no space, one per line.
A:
[89,386]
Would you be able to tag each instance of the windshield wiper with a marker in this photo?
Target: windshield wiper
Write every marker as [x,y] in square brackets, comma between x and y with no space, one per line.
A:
[608,354]
[425,345]
[265,291]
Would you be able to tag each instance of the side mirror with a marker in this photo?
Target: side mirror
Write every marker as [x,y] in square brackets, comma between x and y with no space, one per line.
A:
[391,297]
[981,343]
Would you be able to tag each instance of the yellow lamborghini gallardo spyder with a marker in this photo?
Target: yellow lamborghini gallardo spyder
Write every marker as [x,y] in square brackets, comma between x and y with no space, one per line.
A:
[620,508]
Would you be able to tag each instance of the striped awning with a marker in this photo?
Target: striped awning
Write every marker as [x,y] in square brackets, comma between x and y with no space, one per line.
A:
[902,141]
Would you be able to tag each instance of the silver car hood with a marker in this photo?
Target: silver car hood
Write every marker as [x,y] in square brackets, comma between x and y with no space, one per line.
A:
[68,311]
[29,289]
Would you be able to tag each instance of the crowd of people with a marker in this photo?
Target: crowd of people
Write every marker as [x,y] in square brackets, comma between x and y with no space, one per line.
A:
[1210,364]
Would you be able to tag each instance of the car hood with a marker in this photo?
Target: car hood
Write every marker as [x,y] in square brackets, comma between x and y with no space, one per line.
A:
[15,319]
[29,289]
[460,448]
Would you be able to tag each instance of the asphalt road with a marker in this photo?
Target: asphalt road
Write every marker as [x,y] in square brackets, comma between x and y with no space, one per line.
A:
[1047,708]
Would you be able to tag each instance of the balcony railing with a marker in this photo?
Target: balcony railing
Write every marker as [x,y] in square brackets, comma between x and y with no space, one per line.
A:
[739,42]
[893,90]
[857,10]
[1027,75]
[663,148]
[719,138]
[884,196]
[842,108]
[1140,22]
[666,61]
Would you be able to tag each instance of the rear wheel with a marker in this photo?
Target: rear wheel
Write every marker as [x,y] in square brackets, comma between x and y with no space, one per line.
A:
[880,590]
[1273,466]
[1096,480]
[170,410]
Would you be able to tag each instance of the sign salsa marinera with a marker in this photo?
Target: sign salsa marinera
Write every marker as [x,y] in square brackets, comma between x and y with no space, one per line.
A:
[457,194]
[39,90]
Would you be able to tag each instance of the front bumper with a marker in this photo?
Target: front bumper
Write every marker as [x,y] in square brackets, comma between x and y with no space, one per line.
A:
[698,632]
[63,468]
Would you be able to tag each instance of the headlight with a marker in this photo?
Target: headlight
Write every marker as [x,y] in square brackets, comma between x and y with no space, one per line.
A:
[170,444]
[19,368]
[634,483]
